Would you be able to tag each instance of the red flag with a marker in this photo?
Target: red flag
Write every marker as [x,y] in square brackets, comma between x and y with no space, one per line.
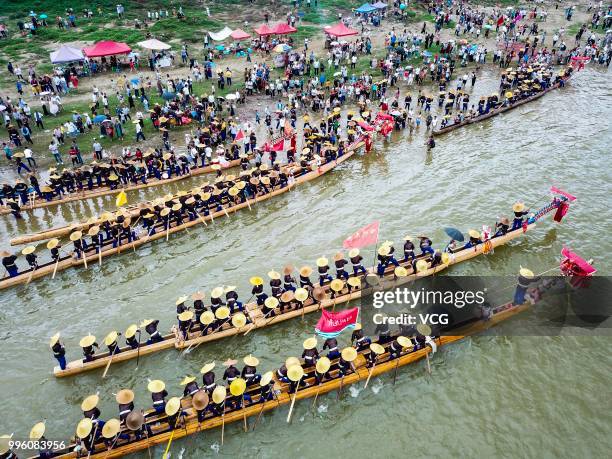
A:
[365,236]
[278,146]
[239,136]
[332,324]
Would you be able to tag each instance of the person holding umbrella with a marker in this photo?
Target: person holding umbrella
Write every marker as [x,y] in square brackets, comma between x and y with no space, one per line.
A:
[456,236]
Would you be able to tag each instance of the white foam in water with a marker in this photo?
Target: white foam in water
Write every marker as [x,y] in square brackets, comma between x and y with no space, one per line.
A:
[302,418]
[376,388]
[322,408]
[354,391]
[215,447]
[180,456]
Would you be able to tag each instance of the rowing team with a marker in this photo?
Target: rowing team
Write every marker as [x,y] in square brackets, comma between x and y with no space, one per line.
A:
[246,387]
[171,211]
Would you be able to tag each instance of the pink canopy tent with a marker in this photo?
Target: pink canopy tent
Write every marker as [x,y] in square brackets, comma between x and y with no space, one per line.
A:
[340,30]
[282,28]
[263,30]
[240,34]
[106,48]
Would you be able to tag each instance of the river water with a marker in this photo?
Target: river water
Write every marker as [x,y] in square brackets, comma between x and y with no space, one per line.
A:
[487,396]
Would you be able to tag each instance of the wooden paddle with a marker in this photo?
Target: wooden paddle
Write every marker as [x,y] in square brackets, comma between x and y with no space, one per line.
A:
[165,455]
[428,364]
[108,365]
[138,351]
[201,218]
[223,423]
[293,399]
[246,428]
[370,374]
[395,370]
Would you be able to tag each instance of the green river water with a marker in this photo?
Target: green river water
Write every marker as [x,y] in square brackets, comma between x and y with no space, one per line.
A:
[486,397]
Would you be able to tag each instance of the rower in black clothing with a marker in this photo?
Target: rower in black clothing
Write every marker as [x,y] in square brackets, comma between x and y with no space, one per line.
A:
[257,291]
[359,340]
[356,259]
[323,269]
[198,305]
[191,386]
[125,400]
[158,394]
[305,281]
[54,246]
[173,412]
[267,387]
[8,261]
[30,256]
[310,354]
[408,249]
[288,280]
[90,409]
[249,372]
[231,372]
[88,343]
[150,327]
[275,283]
[208,377]
[332,345]
[383,331]
[340,262]
[59,351]
[130,336]
[348,355]
[111,342]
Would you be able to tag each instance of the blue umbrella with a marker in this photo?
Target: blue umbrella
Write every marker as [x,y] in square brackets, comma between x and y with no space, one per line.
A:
[135,80]
[99,118]
[455,234]
[220,47]
[426,54]
[43,16]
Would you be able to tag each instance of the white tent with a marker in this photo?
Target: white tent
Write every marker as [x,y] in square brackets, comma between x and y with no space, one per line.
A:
[221,35]
[154,44]
[66,54]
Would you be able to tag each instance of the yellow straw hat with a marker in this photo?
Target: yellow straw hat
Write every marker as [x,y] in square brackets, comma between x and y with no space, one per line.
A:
[421,266]
[54,339]
[473,233]
[53,243]
[76,236]
[186,380]
[185,316]
[400,271]
[383,250]
[131,331]
[222,313]
[156,385]
[310,343]
[295,373]
[271,302]
[111,338]
[526,273]
[87,341]
[354,281]
[208,367]
[337,285]
[321,262]
[237,387]
[353,253]
[239,320]
[291,361]
[424,329]
[301,294]
[217,292]
[251,361]
[323,365]
[274,275]
[198,296]
[111,428]
[305,271]
[266,378]
[89,403]
[181,300]
[256,280]
[173,406]
[219,394]
[518,207]
[349,354]
[404,342]
[84,428]
[377,348]
[28,250]
[207,318]
[124,396]
[37,431]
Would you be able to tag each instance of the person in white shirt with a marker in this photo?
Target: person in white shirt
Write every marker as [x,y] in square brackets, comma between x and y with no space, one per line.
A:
[27,153]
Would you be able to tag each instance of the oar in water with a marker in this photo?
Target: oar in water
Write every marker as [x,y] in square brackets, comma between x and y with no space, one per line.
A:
[377,350]
[201,218]
[108,365]
[138,351]
[223,423]
[295,373]
[322,367]
[165,455]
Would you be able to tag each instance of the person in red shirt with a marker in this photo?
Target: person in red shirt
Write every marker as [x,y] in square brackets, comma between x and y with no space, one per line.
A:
[74,155]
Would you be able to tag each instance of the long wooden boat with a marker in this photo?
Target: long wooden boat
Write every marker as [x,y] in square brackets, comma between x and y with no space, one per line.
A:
[161,432]
[91,258]
[257,318]
[97,192]
[493,113]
